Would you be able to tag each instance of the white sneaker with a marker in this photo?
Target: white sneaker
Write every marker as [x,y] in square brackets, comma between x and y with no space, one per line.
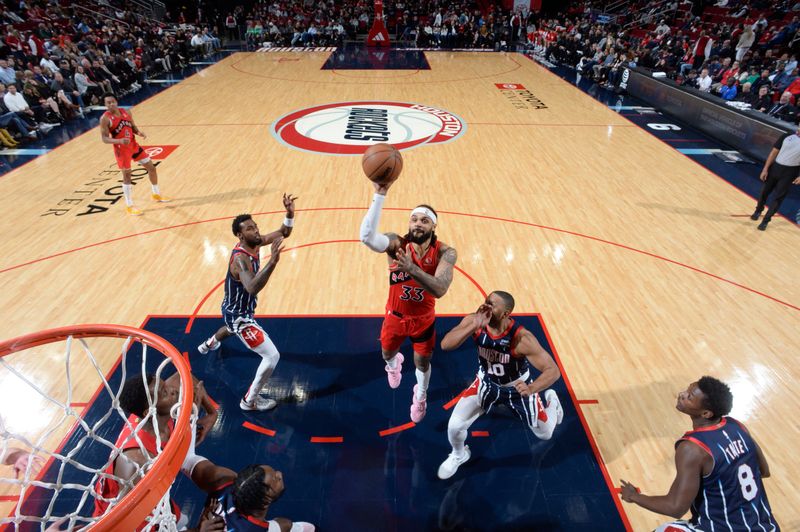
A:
[262,404]
[450,466]
[205,347]
[551,396]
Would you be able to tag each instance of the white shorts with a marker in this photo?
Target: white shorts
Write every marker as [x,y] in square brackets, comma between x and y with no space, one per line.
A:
[248,330]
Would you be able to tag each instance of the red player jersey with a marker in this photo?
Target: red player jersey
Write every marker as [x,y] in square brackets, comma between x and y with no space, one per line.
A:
[406,297]
[120,126]
[109,488]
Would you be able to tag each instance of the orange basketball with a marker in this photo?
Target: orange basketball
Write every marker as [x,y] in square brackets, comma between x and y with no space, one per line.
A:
[382,163]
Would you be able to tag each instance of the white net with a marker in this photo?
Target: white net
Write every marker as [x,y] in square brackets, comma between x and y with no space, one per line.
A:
[74,482]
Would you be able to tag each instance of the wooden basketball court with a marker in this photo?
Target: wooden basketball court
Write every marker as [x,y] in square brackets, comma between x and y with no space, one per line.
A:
[627,249]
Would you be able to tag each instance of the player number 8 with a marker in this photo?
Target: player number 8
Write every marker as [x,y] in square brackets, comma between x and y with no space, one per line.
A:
[748,482]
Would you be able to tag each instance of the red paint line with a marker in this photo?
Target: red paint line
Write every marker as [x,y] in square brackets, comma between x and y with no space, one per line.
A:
[70,432]
[586,429]
[452,402]
[9,498]
[189,323]
[194,315]
[480,433]
[654,136]
[473,281]
[327,439]
[397,429]
[588,401]
[482,216]
[78,405]
[256,428]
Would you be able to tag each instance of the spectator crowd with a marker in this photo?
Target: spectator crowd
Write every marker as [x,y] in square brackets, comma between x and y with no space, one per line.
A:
[742,51]
[58,59]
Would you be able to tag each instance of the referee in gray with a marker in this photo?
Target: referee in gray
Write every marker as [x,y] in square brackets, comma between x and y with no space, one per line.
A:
[780,171]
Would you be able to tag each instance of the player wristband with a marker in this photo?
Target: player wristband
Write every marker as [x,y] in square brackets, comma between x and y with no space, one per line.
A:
[288,222]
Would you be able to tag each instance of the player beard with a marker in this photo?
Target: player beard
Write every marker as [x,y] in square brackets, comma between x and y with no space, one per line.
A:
[417,237]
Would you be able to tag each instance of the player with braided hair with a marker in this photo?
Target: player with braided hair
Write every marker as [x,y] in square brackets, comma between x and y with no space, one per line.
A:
[243,499]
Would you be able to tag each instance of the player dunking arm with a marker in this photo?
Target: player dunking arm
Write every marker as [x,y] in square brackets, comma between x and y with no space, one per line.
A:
[505,350]
[118,128]
[720,468]
[243,281]
[420,271]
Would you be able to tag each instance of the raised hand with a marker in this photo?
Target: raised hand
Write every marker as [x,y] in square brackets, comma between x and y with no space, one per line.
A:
[382,189]
[482,316]
[288,204]
[276,249]
[404,262]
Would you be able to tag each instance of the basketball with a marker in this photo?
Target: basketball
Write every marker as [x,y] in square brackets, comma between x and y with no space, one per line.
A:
[382,163]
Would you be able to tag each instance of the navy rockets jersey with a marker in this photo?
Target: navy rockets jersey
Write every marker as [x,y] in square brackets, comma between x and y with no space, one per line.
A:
[499,363]
[234,521]
[237,302]
[732,496]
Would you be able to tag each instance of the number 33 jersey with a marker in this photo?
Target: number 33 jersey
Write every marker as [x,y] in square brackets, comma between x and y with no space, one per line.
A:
[732,496]
[406,296]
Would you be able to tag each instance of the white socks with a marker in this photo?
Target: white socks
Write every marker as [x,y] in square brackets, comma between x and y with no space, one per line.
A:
[155,189]
[392,362]
[127,190]
[423,378]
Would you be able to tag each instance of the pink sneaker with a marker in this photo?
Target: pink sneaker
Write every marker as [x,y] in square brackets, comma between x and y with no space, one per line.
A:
[394,375]
[418,408]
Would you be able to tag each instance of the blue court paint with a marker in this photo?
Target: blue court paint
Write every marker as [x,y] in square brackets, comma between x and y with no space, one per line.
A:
[355,57]
[330,381]
[24,151]
[699,151]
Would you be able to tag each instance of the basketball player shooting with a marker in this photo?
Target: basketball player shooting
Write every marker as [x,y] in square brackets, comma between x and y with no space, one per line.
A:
[506,353]
[243,281]
[420,271]
[118,128]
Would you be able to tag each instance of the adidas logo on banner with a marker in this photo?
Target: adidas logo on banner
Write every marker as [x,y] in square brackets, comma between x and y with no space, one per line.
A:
[379,37]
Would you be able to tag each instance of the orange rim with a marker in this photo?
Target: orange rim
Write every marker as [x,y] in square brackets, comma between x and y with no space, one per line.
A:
[132,510]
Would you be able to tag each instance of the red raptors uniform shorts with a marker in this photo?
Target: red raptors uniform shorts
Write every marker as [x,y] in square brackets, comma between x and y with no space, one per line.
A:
[396,328]
[125,153]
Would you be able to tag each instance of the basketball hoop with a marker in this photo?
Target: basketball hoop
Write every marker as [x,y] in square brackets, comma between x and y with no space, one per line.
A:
[145,497]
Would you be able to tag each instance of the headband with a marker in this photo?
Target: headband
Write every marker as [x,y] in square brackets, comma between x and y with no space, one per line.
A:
[425,212]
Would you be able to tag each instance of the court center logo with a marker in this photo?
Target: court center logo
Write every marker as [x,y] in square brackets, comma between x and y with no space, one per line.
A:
[349,128]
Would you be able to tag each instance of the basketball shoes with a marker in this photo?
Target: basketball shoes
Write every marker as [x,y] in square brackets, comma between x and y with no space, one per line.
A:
[262,404]
[453,462]
[418,407]
[212,344]
[160,198]
[394,375]
[133,211]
